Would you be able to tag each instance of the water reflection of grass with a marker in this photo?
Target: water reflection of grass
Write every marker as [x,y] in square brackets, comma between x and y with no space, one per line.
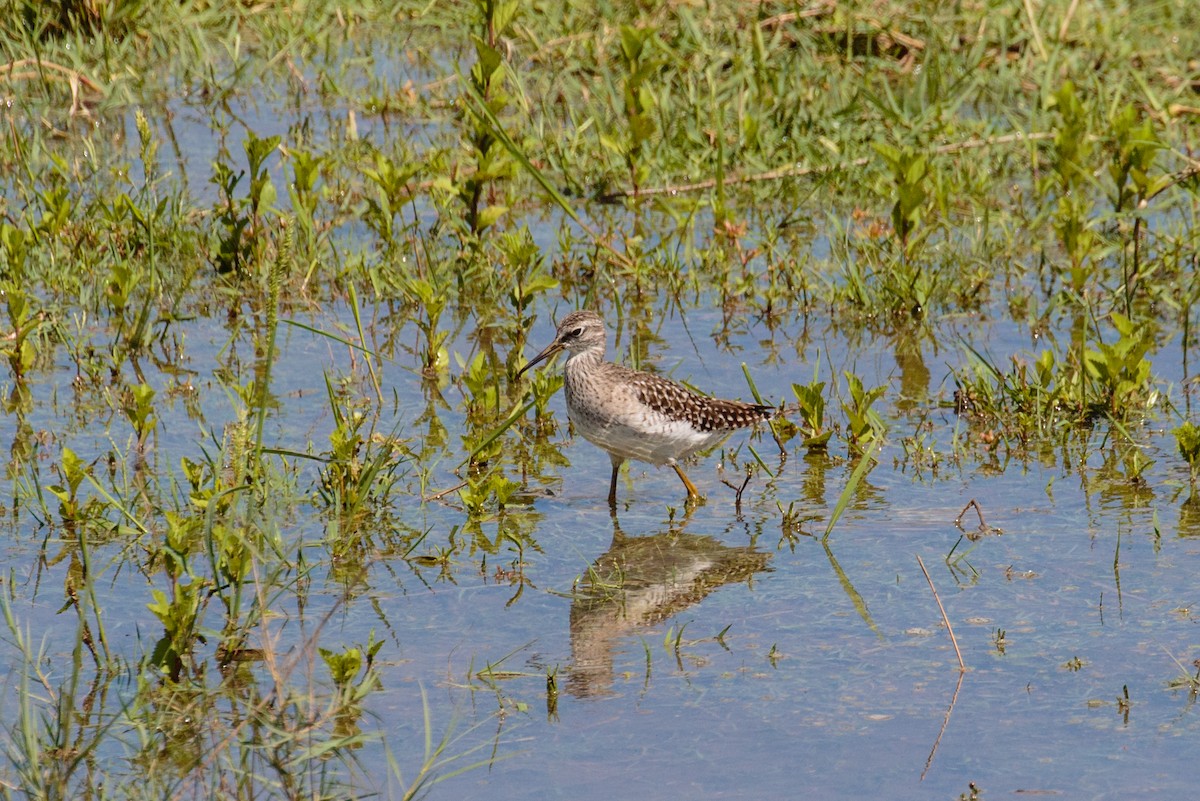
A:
[464,170]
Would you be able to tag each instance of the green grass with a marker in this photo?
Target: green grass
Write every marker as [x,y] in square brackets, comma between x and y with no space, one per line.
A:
[885,167]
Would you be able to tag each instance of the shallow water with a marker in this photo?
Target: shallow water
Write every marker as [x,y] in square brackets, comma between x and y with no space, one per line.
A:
[704,654]
[722,661]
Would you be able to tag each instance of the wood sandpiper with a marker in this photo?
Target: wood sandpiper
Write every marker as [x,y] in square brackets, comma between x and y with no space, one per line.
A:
[637,415]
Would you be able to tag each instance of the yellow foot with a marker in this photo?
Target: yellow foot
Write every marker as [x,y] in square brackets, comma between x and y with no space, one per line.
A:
[694,497]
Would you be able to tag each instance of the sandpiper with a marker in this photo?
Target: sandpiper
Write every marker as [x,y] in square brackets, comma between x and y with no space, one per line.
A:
[637,415]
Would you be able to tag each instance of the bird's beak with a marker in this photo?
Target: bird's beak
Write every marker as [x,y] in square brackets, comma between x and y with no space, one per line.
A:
[551,349]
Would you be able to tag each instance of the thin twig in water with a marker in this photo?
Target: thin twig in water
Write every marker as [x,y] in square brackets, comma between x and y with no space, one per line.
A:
[1066,23]
[1187,173]
[437,496]
[778,442]
[945,723]
[40,67]
[954,640]
[978,511]
[815,10]
[1031,15]
[737,499]
[984,529]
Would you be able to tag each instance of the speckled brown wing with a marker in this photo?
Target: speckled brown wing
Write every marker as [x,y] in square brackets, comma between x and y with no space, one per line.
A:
[703,413]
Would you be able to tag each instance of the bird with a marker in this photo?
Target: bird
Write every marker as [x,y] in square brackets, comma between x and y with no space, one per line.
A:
[632,414]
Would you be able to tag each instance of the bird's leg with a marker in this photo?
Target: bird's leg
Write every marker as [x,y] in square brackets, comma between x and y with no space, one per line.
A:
[693,494]
[612,487]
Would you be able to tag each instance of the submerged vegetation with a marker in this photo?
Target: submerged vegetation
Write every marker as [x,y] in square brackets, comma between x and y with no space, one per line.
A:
[401,191]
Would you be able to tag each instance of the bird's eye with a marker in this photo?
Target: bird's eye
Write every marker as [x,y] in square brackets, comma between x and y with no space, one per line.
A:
[578,332]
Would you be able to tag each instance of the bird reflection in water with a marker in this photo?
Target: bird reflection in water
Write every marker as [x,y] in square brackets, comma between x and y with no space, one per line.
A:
[641,581]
